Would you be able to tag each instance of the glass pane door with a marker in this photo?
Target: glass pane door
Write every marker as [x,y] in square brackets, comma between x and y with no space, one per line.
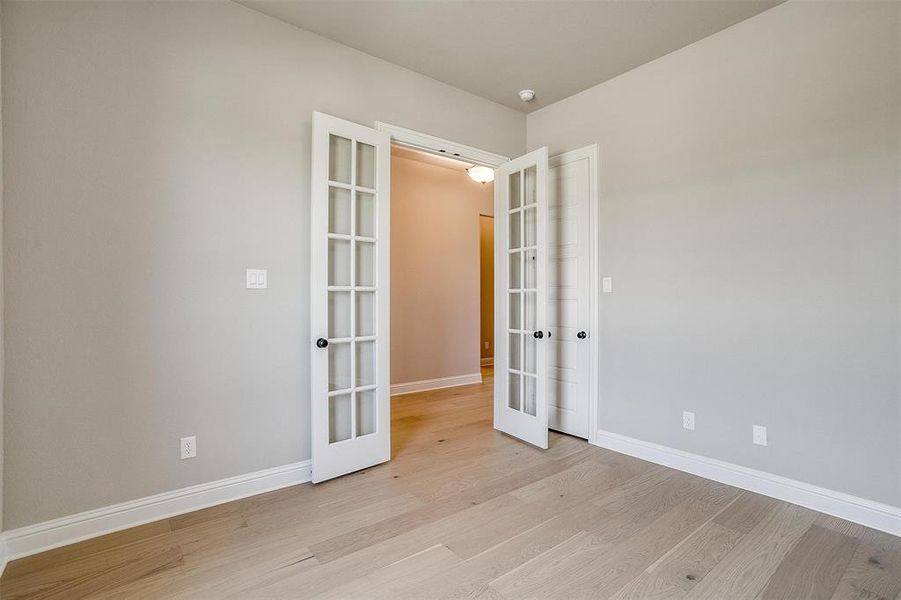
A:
[522,206]
[352,290]
[521,209]
[349,304]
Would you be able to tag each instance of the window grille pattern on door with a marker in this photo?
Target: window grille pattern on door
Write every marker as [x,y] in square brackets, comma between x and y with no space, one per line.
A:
[353,293]
[522,293]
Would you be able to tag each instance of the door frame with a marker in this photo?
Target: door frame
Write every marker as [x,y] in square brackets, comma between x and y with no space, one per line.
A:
[436,145]
[594,203]
[443,147]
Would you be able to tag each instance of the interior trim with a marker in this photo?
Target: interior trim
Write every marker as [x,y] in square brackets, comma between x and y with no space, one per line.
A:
[2,553]
[32,539]
[838,504]
[435,384]
[441,147]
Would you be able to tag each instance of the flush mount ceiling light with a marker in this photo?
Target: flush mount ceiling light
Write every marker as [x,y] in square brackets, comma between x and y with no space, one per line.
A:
[481,174]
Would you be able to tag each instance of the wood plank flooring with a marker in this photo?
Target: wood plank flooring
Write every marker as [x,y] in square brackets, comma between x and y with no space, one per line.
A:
[463,511]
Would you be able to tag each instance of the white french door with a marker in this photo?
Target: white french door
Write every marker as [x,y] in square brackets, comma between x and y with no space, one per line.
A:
[521,332]
[571,187]
[349,310]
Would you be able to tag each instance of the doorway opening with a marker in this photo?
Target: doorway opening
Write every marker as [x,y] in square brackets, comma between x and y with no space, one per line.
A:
[441,221]
[391,306]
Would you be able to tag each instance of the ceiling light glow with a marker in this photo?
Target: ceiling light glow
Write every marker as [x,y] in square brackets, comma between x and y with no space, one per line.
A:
[481,174]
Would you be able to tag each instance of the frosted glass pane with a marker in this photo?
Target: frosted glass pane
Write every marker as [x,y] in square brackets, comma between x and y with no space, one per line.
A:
[529,352]
[531,181]
[365,267]
[515,230]
[515,270]
[513,391]
[529,401]
[338,314]
[514,191]
[531,268]
[339,158]
[365,214]
[515,311]
[338,366]
[515,351]
[339,418]
[530,227]
[365,315]
[365,363]
[365,165]
[338,210]
[338,262]
[529,310]
[365,412]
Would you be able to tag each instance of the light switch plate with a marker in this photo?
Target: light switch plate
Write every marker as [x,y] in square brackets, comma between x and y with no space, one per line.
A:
[607,285]
[760,435]
[256,279]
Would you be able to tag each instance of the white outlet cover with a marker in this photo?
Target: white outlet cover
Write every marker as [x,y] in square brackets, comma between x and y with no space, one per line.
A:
[688,420]
[256,279]
[607,285]
[188,447]
[760,435]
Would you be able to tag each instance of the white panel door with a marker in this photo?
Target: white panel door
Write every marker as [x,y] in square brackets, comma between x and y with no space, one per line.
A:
[570,188]
[520,275]
[349,235]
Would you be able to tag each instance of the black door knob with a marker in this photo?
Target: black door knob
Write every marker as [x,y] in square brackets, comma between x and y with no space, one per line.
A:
[322,343]
[538,335]
[581,335]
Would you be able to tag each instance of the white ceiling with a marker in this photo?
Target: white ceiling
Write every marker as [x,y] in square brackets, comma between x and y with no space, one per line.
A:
[494,48]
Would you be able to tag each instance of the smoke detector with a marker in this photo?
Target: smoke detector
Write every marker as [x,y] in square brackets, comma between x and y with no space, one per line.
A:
[527,95]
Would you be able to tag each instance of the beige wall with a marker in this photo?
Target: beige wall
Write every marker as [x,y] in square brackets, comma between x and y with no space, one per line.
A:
[750,221]
[435,268]
[486,277]
[153,151]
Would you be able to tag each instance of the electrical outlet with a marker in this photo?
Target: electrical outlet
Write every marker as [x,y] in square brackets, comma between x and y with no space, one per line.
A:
[760,435]
[688,420]
[188,447]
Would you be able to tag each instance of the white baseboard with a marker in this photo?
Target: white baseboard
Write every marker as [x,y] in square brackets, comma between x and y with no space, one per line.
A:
[488,362]
[434,384]
[838,504]
[2,553]
[32,539]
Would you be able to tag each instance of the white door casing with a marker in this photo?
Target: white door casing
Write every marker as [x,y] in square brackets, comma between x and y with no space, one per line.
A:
[349,297]
[521,334]
[571,193]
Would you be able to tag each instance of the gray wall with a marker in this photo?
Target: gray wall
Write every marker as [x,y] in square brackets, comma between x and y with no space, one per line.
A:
[750,220]
[2,316]
[153,152]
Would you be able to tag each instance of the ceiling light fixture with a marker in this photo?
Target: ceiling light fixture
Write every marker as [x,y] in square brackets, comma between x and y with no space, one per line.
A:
[481,174]
[527,95]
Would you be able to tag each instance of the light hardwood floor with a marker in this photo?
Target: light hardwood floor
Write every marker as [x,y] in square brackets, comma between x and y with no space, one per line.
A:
[465,512]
